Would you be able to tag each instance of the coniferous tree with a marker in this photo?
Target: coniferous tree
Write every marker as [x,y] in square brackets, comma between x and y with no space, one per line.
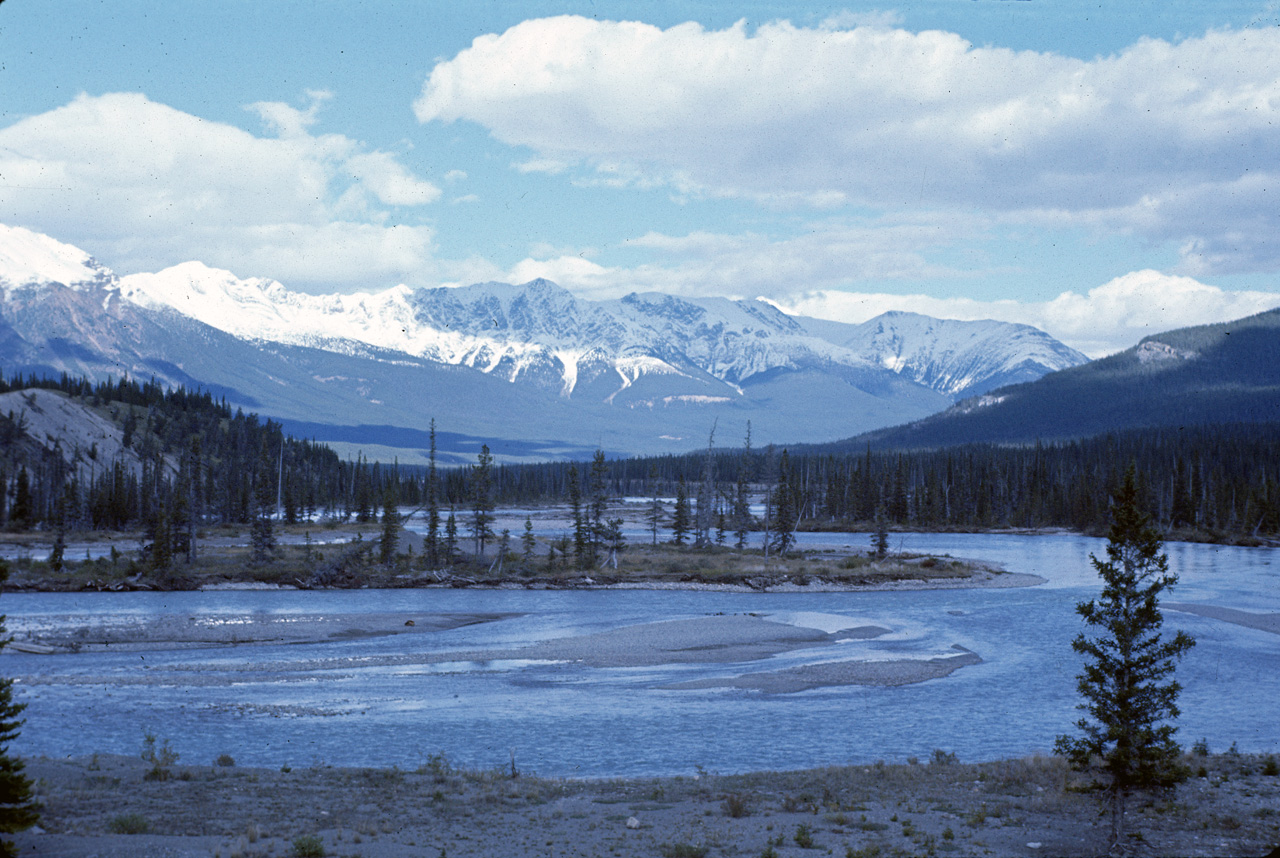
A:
[390,526]
[741,498]
[18,809]
[262,536]
[432,538]
[785,512]
[653,515]
[1130,700]
[581,527]
[599,501]
[528,542]
[680,519]
[451,536]
[22,511]
[880,536]
[481,524]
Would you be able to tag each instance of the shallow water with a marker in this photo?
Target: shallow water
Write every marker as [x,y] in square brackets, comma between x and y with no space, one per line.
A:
[359,701]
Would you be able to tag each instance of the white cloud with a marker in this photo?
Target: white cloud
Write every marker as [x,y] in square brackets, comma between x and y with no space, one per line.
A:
[1106,319]
[1170,141]
[143,186]
[831,254]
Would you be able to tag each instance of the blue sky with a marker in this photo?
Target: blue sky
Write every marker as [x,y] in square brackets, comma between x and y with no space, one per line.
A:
[1102,171]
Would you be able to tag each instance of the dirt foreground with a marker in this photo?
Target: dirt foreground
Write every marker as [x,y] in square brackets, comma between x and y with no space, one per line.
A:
[107,806]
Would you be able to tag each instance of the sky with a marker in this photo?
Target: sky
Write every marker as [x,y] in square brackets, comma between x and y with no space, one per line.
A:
[1103,171]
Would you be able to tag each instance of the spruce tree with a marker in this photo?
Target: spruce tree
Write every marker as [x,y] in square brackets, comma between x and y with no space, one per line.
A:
[432,539]
[653,515]
[741,494]
[390,526]
[599,500]
[528,542]
[481,524]
[1127,742]
[681,519]
[18,810]
[581,526]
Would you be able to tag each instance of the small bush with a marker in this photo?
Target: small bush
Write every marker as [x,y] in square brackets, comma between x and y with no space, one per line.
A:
[683,850]
[803,836]
[943,758]
[225,761]
[1270,768]
[308,846]
[129,823]
[736,806]
[161,759]
[1201,748]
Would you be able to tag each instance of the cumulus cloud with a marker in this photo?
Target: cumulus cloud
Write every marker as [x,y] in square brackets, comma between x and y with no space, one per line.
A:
[145,186]
[1106,319]
[1169,141]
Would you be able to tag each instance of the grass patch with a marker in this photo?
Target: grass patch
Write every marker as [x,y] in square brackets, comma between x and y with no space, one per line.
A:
[129,823]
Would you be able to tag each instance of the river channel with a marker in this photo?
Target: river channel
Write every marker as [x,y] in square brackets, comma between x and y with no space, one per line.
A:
[395,699]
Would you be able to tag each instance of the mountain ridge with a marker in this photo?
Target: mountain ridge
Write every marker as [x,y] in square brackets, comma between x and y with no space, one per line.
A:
[644,373]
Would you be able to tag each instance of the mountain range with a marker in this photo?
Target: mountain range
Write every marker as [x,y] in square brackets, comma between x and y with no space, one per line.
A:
[531,369]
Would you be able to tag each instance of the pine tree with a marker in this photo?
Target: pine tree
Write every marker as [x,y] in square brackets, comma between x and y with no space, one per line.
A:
[1127,742]
[18,810]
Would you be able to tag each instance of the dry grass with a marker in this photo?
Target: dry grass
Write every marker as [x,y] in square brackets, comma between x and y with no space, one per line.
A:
[936,808]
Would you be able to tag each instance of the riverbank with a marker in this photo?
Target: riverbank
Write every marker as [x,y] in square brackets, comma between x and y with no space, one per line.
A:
[113,806]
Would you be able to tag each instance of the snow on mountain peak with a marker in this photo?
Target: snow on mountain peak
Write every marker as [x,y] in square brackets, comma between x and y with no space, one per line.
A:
[30,258]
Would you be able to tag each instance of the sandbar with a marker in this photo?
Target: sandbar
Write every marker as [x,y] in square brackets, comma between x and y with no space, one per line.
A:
[1262,622]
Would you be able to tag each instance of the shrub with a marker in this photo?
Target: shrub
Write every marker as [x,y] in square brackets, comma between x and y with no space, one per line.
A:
[1201,748]
[225,761]
[161,759]
[943,758]
[736,806]
[308,846]
[129,823]
[803,836]
[1270,768]
[683,850]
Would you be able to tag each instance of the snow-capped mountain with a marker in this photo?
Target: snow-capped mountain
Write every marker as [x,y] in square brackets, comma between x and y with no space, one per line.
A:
[958,358]
[29,259]
[540,334]
[640,374]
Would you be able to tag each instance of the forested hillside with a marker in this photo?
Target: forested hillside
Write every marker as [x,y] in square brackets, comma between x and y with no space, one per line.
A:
[181,458]
[1226,373]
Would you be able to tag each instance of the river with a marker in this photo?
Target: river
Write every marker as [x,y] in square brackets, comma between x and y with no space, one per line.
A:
[355,701]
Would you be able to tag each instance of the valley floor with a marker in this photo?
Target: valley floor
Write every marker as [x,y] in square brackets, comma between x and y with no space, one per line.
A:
[107,806]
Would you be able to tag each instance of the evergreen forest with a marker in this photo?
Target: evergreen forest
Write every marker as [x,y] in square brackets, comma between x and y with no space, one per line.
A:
[194,462]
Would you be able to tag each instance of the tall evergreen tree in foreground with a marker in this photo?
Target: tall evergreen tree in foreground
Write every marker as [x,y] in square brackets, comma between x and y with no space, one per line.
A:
[18,810]
[1129,697]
